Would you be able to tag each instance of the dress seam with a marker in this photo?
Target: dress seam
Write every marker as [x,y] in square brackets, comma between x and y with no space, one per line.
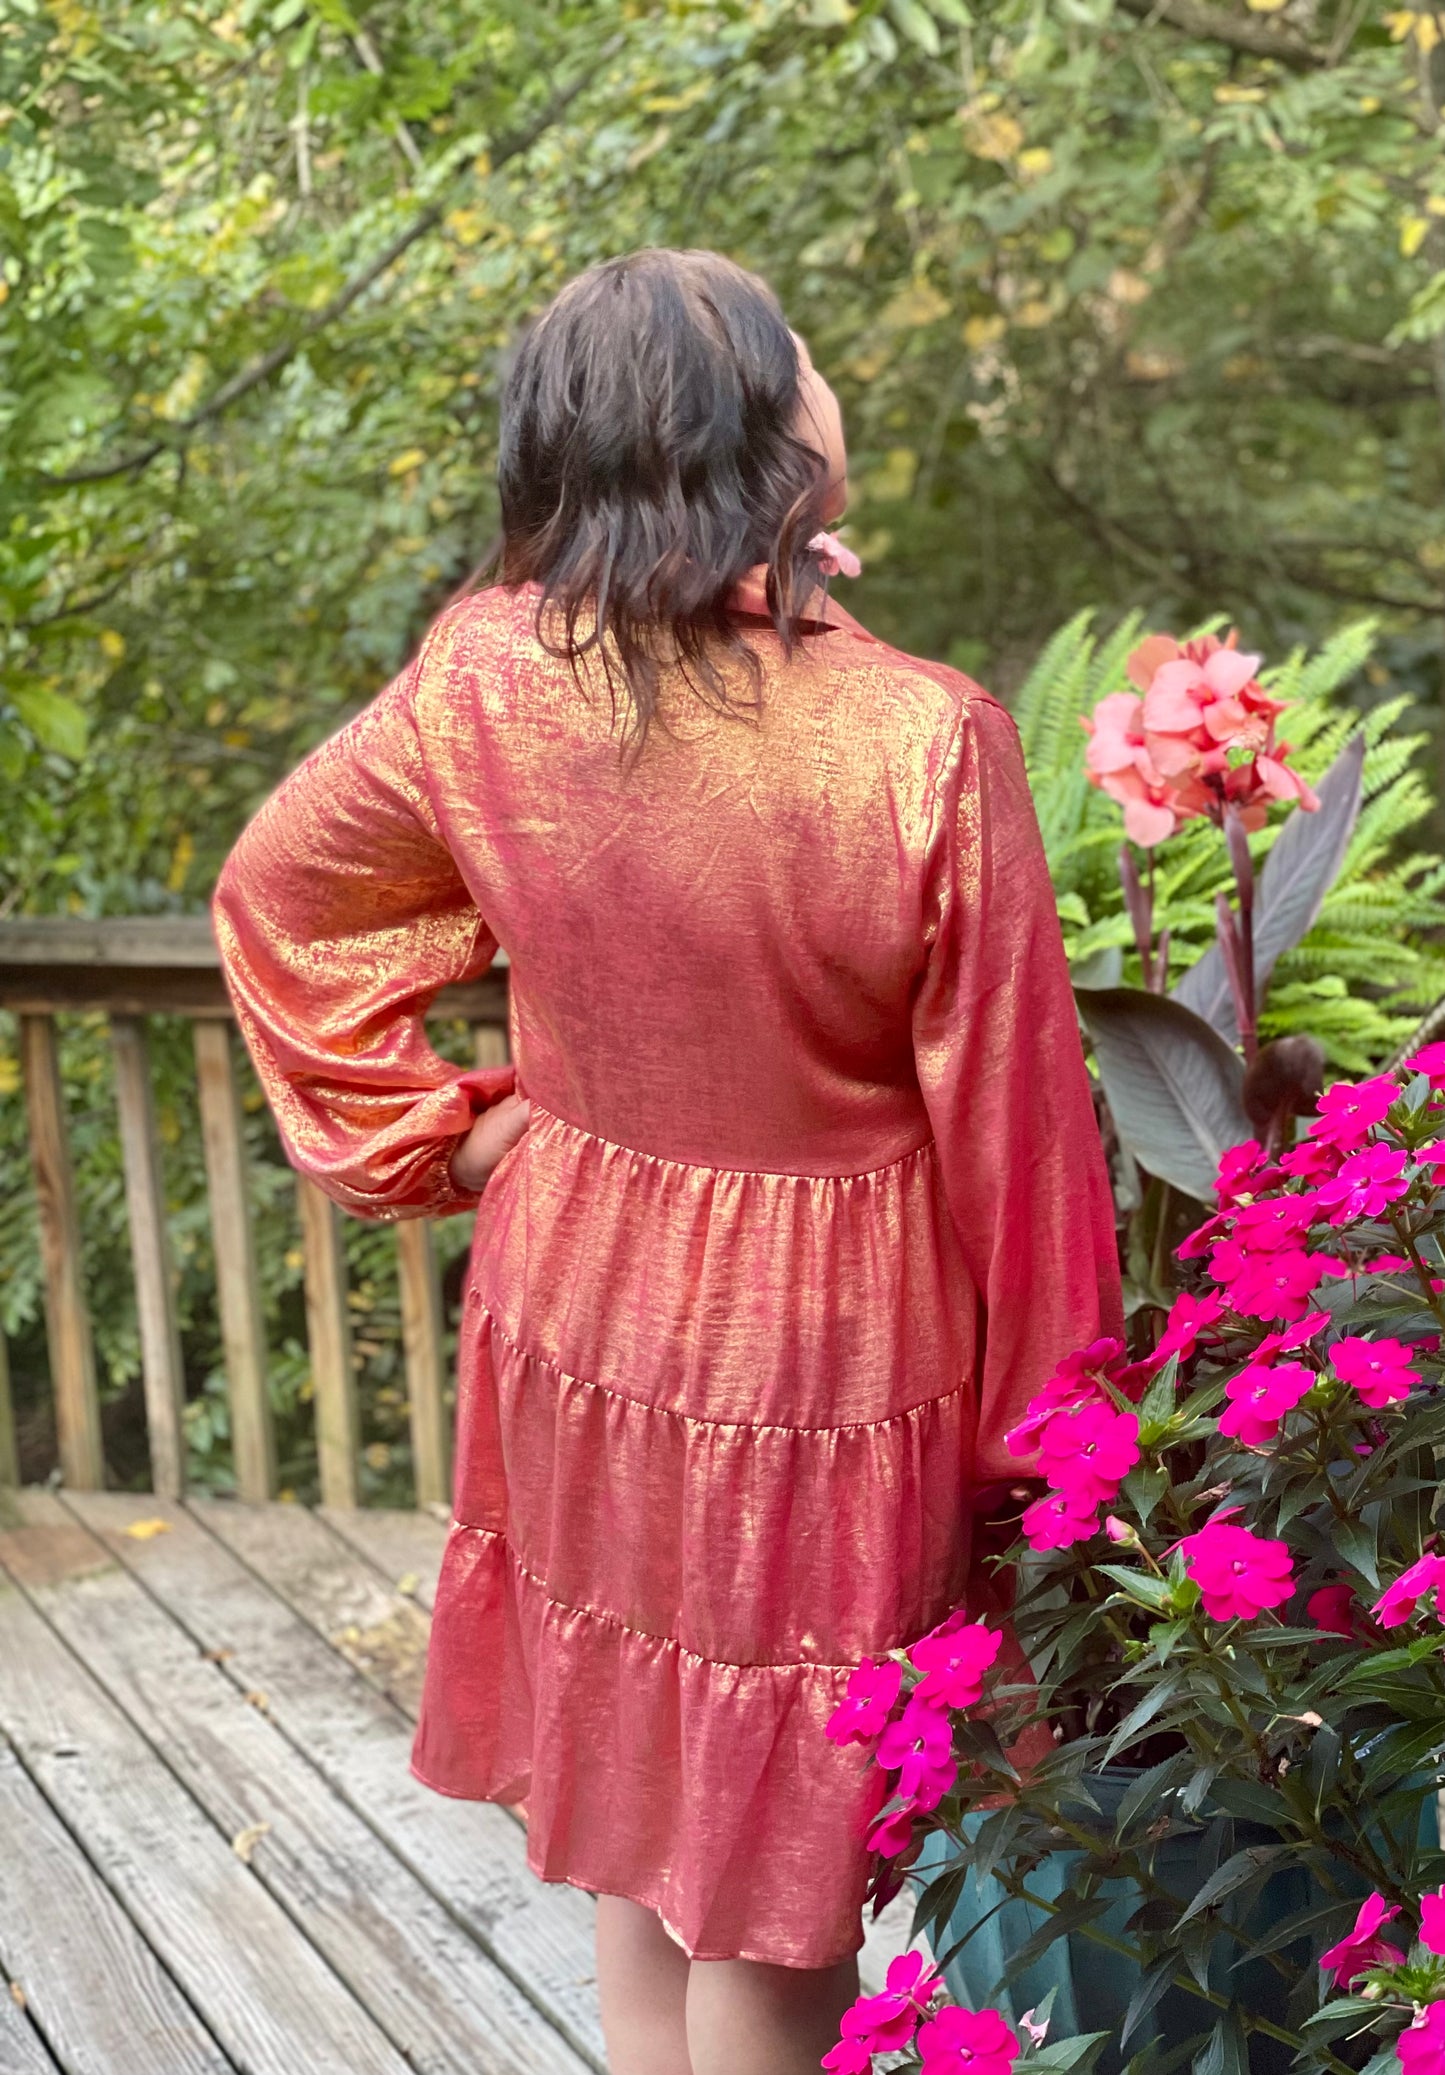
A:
[697,1419]
[782,1174]
[647,1635]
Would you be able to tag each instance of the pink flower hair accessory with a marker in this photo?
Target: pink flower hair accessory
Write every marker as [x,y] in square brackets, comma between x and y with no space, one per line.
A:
[834,559]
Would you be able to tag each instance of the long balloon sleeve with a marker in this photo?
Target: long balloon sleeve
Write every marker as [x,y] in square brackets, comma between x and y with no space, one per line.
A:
[339,915]
[1000,1064]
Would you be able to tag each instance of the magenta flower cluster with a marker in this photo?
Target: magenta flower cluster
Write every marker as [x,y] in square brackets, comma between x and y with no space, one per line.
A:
[914,1742]
[905,2012]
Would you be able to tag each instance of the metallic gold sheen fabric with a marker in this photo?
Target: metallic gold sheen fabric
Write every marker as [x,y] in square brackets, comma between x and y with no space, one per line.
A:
[811,1202]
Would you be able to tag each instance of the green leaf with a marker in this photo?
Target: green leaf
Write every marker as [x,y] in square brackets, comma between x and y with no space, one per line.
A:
[1226,2053]
[56,722]
[1144,1487]
[1153,1984]
[917,25]
[1139,1717]
[1175,1088]
[1300,870]
[1237,1872]
[1141,1586]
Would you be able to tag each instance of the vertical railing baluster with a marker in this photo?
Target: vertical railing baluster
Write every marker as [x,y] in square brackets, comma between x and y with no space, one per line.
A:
[160,1340]
[67,1321]
[9,1451]
[237,1287]
[424,1346]
[489,1044]
[328,1333]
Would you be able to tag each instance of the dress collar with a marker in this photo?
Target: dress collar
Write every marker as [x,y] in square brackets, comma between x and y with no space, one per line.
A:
[749,600]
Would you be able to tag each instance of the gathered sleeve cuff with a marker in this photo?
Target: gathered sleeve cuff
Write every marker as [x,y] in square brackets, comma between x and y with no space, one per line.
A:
[1001,1066]
[339,915]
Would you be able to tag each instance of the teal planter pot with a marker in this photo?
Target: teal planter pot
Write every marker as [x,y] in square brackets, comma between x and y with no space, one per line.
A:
[1093,1986]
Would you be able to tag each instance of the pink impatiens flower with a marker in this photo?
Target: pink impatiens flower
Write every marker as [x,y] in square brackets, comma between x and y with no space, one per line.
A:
[1072,1383]
[1310,1160]
[1272,1286]
[1189,1318]
[1335,1609]
[833,558]
[1432,1913]
[918,1746]
[872,1691]
[1379,1370]
[1363,1947]
[1275,1222]
[892,1833]
[1397,1603]
[1350,1110]
[1058,1521]
[1366,1183]
[1237,1166]
[1238,1573]
[1431,1061]
[1088,1452]
[1259,1397]
[967,2042]
[1420,2048]
[954,1659]
[1290,1338]
[886,2022]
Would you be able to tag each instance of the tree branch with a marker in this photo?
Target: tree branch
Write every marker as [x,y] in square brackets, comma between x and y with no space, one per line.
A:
[276,357]
[1211,24]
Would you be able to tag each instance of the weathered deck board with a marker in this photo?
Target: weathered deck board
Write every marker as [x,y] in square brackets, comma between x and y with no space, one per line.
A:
[86,1975]
[258,1985]
[405,1547]
[260,1587]
[429,1986]
[22,2051]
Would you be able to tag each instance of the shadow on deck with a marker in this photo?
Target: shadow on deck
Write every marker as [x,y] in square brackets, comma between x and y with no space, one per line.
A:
[213,1858]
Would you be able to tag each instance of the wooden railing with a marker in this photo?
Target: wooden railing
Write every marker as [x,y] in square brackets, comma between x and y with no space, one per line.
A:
[130,969]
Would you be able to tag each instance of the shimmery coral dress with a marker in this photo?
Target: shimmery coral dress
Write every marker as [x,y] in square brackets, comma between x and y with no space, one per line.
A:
[811,1202]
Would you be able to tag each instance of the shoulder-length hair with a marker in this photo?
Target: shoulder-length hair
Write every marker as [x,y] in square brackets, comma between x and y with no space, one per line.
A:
[650,456]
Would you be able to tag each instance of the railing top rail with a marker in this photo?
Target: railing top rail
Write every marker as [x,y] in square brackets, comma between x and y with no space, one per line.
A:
[136,965]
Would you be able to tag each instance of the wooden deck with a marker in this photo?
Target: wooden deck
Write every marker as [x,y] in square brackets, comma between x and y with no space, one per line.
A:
[213,1859]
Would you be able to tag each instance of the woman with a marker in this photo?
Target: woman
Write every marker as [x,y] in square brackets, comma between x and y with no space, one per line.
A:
[798,1195]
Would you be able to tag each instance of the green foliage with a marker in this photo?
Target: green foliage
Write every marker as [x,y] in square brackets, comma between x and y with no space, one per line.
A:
[1372,964]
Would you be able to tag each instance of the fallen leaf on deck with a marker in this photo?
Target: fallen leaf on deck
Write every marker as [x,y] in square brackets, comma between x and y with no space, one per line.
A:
[244,1843]
[408,1583]
[17,1994]
[257,1699]
[221,1655]
[147,1530]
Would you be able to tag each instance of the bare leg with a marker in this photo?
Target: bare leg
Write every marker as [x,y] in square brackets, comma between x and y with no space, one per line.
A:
[745,2018]
[642,1987]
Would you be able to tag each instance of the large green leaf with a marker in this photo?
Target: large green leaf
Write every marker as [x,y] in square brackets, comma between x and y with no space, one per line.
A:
[1300,870]
[1174,1085]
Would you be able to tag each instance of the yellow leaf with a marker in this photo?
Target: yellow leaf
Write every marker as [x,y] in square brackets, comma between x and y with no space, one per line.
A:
[979,332]
[1150,365]
[377,1455]
[1400,23]
[259,1700]
[916,305]
[244,1843]
[1036,161]
[112,645]
[1034,314]
[466,225]
[1229,95]
[405,463]
[892,482]
[1127,287]
[1413,231]
[1427,32]
[147,1530]
[181,858]
[1435,205]
[1369,104]
[4,289]
[1265,6]
[9,1074]
[995,137]
[408,1583]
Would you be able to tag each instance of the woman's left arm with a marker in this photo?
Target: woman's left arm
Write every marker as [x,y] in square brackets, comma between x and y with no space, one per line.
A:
[339,915]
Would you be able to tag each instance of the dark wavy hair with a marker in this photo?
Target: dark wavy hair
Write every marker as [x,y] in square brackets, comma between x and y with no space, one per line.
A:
[649,457]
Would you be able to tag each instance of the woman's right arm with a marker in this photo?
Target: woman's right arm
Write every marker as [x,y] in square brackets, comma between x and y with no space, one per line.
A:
[339,915]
